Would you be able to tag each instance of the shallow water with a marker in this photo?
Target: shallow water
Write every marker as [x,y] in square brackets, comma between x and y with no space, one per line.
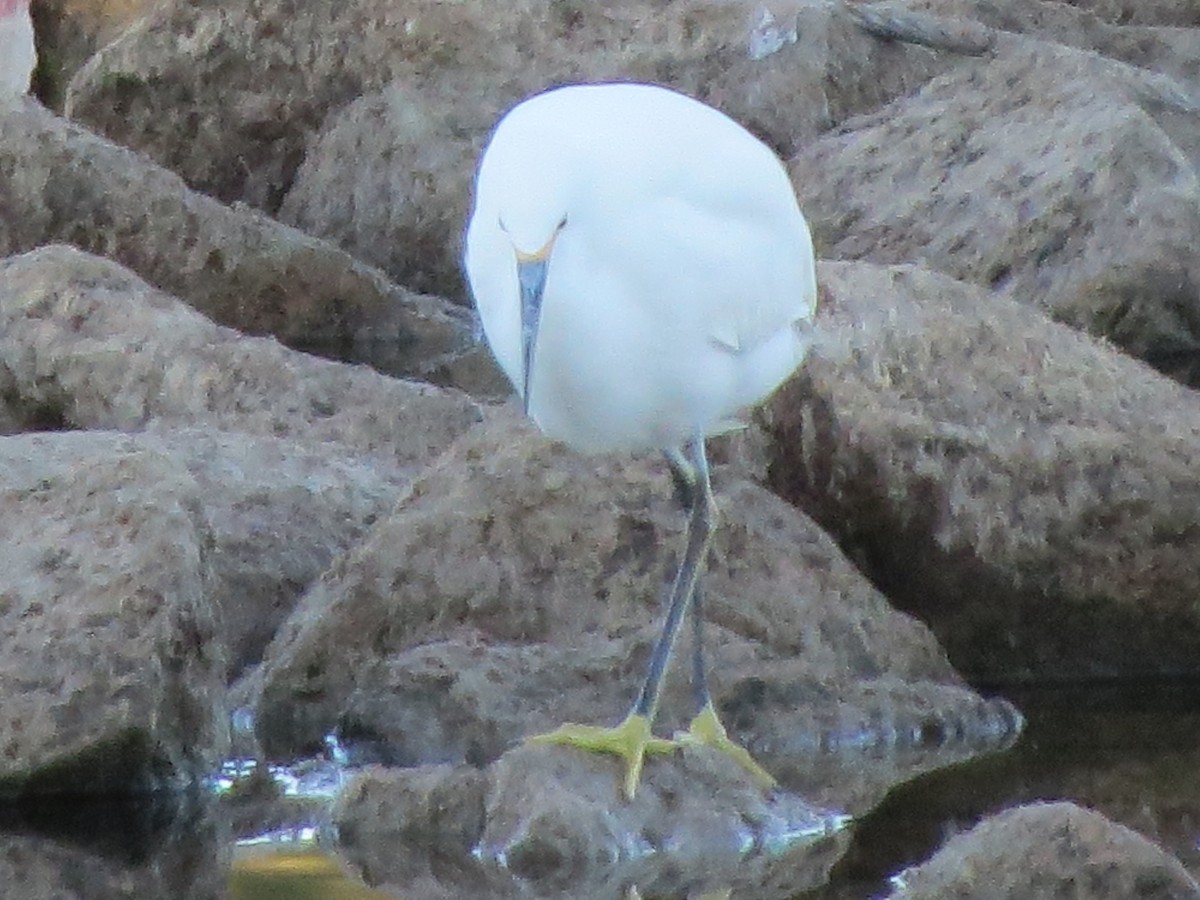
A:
[1130,752]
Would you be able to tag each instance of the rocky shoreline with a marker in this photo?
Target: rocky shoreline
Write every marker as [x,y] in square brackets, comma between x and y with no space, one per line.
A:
[985,473]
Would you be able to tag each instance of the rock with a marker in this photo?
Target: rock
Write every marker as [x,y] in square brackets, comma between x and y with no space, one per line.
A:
[242,269]
[1179,13]
[231,106]
[1123,749]
[1027,491]
[112,679]
[518,584]
[279,511]
[70,31]
[84,343]
[37,867]
[1160,51]
[460,699]
[1048,850]
[18,56]
[543,820]
[1165,50]
[403,204]
[1040,172]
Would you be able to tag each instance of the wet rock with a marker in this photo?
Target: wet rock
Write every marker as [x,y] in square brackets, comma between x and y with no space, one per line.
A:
[461,699]
[84,343]
[36,867]
[231,105]
[519,583]
[541,821]
[242,269]
[1125,750]
[1040,172]
[112,678]
[1027,491]
[438,805]
[1044,850]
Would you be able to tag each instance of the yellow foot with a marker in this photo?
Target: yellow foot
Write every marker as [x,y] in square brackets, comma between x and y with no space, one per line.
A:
[631,740]
[707,729]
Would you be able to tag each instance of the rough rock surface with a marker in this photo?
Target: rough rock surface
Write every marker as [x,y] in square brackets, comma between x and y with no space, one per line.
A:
[1149,44]
[279,512]
[518,584]
[84,343]
[1048,850]
[1041,172]
[133,847]
[1182,13]
[1027,491]
[545,820]
[111,675]
[70,31]
[62,183]
[232,108]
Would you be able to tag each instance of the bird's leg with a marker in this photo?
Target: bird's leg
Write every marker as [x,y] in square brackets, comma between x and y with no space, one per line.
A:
[632,739]
[706,727]
[694,478]
[683,476]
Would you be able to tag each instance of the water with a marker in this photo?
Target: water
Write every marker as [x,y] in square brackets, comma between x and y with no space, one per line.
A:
[1131,752]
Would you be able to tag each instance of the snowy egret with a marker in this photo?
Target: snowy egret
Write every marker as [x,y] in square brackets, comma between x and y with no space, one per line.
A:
[17,54]
[643,273]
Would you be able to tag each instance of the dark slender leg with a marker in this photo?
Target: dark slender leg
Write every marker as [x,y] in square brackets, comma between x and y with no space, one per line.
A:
[684,477]
[706,727]
[633,739]
[700,521]
[699,675]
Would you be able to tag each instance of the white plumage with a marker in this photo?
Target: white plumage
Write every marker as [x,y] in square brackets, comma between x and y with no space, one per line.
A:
[678,288]
[643,272]
[17,54]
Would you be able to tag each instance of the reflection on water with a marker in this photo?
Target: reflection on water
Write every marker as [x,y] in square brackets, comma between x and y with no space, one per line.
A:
[1130,752]
[293,874]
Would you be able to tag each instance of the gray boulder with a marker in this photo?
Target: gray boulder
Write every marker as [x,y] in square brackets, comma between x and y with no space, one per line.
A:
[1029,492]
[85,343]
[1041,172]
[518,584]
[62,183]
[1048,850]
[232,107]
[111,672]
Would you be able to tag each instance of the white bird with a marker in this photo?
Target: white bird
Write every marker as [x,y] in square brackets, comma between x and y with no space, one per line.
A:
[643,273]
[17,54]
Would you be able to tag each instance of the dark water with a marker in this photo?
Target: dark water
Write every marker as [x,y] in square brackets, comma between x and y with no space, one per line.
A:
[1131,752]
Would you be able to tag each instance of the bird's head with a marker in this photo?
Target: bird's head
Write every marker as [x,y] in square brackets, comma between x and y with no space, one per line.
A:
[530,205]
[532,181]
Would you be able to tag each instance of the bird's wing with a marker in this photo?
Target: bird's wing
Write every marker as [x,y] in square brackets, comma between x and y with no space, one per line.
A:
[772,288]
